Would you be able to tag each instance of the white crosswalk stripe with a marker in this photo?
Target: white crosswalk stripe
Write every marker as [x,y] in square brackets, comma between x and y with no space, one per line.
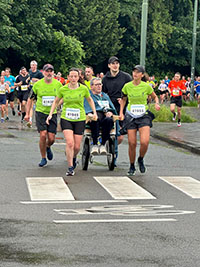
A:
[123,188]
[48,188]
[186,184]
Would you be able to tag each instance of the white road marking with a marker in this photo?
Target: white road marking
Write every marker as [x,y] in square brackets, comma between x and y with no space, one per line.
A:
[114,221]
[185,184]
[123,188]
[72,202]
[48,188]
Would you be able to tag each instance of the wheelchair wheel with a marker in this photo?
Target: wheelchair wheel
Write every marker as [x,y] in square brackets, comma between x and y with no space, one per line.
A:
[85,154]
[111,154]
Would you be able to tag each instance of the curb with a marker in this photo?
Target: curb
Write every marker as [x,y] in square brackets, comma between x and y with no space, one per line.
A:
[187,146]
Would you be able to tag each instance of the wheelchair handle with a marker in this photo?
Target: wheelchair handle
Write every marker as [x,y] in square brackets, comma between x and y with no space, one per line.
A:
[89,118]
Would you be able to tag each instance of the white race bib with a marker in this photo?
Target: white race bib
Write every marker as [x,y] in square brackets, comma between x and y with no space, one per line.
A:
[24,87]
[138,110]
[103,103]
[72,113]
[2,90]
[175,92]
[47,101]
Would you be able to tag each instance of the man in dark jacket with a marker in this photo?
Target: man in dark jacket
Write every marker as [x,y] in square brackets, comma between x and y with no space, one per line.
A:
[114,81]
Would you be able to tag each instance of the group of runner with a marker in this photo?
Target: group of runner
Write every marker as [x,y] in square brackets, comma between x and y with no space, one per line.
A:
[116,93]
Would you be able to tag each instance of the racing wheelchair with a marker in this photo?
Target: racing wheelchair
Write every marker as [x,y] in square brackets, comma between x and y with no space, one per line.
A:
[110,145]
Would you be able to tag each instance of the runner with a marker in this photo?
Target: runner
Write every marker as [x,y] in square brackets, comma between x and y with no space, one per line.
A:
[72,116]
[22,93]
[137,117]
[197,89]
[89,75]
[4,87]
[45,91]
[176,88]
[188,87]
[114,80]
[162,89]
[60,78]
[10,80]
[35,75]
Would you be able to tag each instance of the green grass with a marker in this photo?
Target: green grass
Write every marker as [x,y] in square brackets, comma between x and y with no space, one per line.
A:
[165,115]
[190,103]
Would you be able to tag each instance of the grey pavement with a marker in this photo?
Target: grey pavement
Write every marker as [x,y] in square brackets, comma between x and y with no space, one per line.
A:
[187,136]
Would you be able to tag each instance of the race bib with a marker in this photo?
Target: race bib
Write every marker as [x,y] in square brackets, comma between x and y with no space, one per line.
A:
[47,101]
[103,103]
[138,110]
[2,91]
[72,113]
[24,87]
[175,92]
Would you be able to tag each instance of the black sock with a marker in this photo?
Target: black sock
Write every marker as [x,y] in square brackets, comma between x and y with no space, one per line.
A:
[132,165]
[23,115]
[140,158]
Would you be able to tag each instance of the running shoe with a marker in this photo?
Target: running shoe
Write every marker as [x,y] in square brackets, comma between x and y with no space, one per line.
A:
[131,171]
[43,162]
[179,124]
[102,150]
[174,116]
[29,124]
[70,171]
[49,153]
[6,119]
[95,150]
[13,112]
[2,120]
[141,165]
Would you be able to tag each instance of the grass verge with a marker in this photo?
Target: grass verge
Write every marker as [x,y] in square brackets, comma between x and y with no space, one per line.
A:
[165,115]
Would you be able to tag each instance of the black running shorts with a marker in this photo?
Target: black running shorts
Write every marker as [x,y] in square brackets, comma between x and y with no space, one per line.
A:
[77,127]
[176,100]
[41,122]
[10,96]
[145,120]
[22,95]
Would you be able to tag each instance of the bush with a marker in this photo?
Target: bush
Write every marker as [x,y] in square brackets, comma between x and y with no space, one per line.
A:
[165,115]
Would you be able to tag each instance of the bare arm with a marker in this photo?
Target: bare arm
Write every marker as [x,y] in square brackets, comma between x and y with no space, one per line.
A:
[92,105]
[154,96]
[53,107]
[122,105]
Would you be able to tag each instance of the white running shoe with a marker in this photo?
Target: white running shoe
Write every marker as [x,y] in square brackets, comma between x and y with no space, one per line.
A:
[102,150]
[179,124]
[95,150]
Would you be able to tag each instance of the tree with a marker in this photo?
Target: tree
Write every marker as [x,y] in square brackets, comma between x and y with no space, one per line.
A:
[94,23]
[7,29]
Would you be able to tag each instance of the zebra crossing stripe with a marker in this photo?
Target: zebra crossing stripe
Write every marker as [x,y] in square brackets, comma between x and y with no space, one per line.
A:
[48,188]
[121,187]
[185,184]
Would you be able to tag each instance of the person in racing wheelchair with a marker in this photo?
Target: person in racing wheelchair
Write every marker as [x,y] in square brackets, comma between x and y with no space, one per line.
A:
[105,111]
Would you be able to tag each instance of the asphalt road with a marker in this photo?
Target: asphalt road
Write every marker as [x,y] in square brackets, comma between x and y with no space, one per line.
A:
[96,229]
